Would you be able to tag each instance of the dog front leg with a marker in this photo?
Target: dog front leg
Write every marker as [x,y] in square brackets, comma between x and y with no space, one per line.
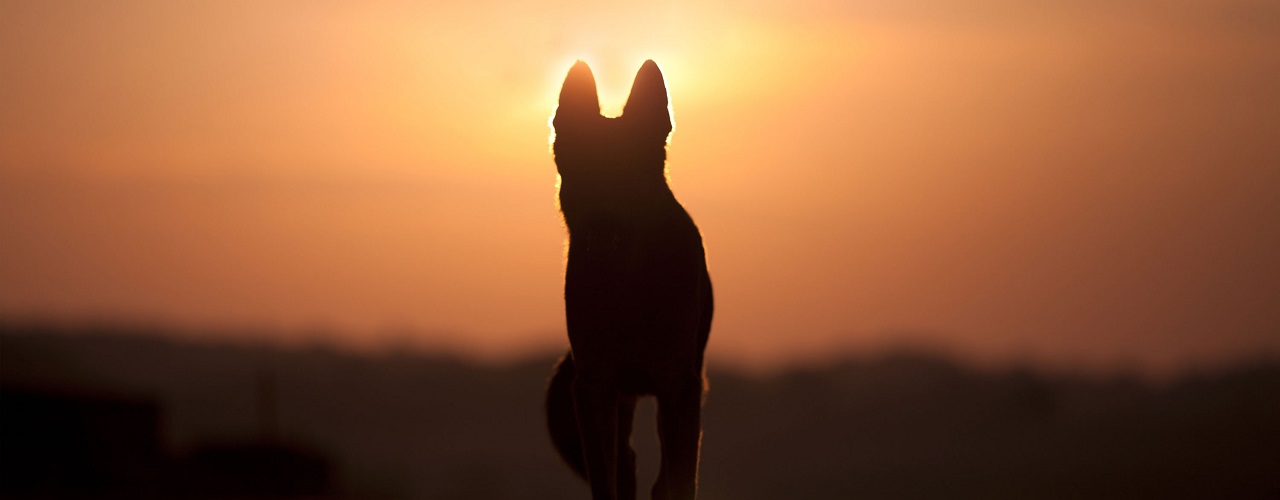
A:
[626,452]
[680,435]
[597,410]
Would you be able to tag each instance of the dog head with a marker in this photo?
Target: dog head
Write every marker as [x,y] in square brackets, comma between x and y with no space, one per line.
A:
[598,156]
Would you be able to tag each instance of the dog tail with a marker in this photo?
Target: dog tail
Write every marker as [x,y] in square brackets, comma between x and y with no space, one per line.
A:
[562,420]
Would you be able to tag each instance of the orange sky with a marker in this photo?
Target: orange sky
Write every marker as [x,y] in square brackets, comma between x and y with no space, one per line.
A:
[1085,184]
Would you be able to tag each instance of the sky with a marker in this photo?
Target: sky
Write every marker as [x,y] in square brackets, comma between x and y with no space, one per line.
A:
[1077,184]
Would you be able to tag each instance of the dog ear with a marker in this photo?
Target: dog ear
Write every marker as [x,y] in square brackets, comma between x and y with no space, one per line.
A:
[647,105]
[578,100]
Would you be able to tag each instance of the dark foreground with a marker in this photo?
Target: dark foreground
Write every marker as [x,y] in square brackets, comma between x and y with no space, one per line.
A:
[102,414]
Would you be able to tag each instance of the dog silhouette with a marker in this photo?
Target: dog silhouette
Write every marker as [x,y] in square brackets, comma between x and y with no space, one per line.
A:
[637,293]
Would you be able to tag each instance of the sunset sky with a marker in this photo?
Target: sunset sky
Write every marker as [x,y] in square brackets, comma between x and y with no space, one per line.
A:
[1090,185]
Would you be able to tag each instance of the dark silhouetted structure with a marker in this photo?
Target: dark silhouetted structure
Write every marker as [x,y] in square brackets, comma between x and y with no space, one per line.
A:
[59,441]
[71,445]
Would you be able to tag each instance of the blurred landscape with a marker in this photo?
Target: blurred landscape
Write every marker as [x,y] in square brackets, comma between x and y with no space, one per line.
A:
[127,413]
[344,213]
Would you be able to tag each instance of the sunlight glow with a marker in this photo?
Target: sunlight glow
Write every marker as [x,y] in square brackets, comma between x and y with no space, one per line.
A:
[619,100]
[855,166]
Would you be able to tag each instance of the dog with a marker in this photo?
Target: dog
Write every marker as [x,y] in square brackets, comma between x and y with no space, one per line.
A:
[638,301]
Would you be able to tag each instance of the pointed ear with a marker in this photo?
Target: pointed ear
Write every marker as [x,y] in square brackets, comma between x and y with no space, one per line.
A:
[647,105]
[578,100]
